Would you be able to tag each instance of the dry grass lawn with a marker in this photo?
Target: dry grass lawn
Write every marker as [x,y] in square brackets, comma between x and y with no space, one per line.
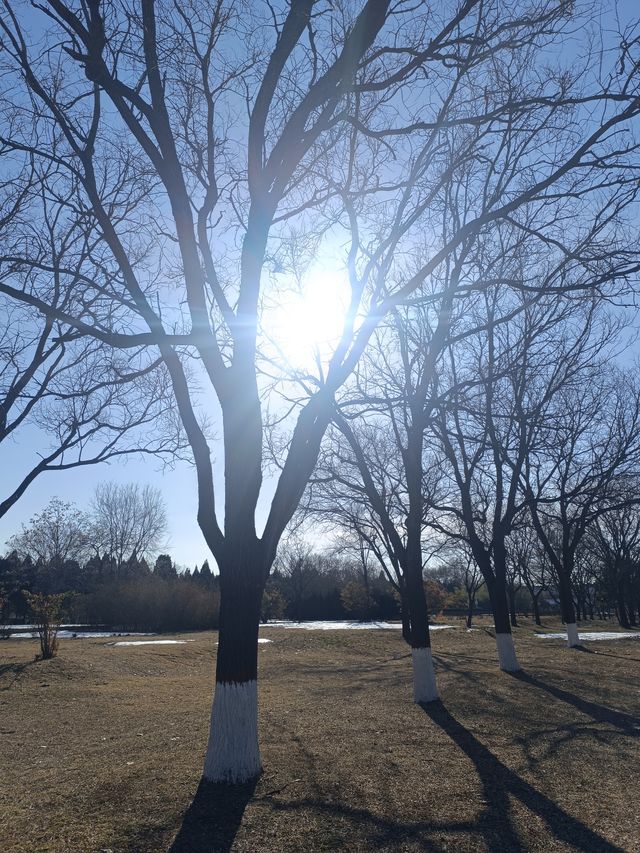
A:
[101,748]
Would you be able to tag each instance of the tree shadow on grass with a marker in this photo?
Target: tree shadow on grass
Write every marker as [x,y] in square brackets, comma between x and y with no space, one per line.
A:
[15,669]
[376,830]
[605,654]
[499,782]
[211,822]
[629,724]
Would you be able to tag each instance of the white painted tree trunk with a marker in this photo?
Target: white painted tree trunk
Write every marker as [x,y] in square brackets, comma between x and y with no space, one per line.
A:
[425,688]
[233,754]
[507,653]
[573,638]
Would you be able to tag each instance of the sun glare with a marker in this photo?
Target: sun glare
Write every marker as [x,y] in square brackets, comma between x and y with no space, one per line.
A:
[307,322]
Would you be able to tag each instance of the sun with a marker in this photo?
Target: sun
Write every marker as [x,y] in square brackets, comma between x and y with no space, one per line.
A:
[306,321]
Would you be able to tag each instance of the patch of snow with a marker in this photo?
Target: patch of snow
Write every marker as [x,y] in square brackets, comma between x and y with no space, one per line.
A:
[76,635]
[594,635]
[150,642]
[344,626]
[66,625]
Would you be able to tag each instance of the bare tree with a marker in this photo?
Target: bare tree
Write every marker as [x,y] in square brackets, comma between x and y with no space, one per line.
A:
[590,449]
[463,571]
[503,382]
[130,521]
[46,612]
[530,562]
[614,539]
[59,533]
[197,145]
[294,563]
[371,482]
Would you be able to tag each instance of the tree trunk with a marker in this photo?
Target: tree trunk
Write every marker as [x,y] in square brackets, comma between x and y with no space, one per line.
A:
[621,605]
[501,618]
[536,610]
[233,754]
[471,601]
[567,607]
[504,638]
[424,678]
[512,608]
[404,615]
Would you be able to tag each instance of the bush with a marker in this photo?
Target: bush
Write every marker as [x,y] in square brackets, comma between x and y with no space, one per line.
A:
[436,596]
[47,615]
[356,600]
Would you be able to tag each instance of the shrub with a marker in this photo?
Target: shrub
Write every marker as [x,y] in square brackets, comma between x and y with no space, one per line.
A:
[436,596]
[47,615]
[356,600]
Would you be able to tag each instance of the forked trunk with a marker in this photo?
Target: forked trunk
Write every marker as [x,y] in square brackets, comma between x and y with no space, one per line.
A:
[233,754]
[507,658]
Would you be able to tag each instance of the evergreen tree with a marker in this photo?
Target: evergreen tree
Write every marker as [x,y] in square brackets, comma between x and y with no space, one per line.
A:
[164,567]
[206,575]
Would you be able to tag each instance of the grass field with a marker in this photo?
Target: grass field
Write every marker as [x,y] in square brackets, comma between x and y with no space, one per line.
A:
[102,748]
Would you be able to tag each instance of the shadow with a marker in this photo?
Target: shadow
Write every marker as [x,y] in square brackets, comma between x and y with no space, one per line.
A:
[605,654]
[499,782]
[380,832]
[212,820]
[600,713]
[15,669]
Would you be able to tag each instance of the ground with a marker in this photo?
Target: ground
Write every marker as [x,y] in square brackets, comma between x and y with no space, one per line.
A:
[102,747]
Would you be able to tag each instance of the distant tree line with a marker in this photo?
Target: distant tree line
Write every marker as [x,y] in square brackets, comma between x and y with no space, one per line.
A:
[132,596]
[138,595]
[606,582]
[101,562]
[98,565]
